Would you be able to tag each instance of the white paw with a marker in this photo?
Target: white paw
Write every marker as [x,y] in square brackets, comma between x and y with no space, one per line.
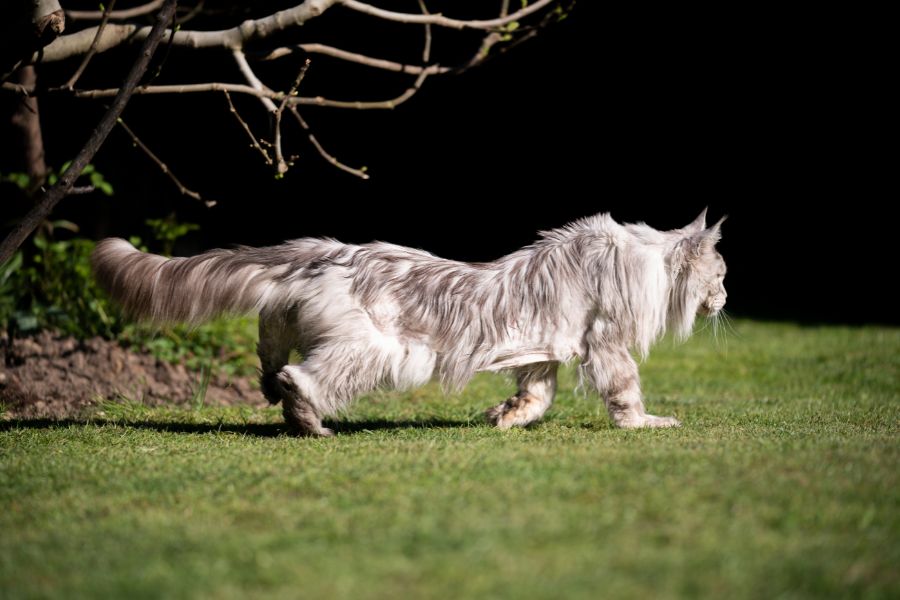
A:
[664,422]
[636,422]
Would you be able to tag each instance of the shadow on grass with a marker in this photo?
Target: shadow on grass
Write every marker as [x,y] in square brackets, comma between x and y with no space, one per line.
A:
[252,429]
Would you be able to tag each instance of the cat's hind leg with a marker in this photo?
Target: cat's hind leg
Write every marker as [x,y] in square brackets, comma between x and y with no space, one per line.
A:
[536,389]
[329,379]
[291,385]
[276,340]
[301,401]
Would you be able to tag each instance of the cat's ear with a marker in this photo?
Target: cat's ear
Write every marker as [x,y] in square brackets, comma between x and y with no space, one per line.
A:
[710,237]
[698,224]
[701,243]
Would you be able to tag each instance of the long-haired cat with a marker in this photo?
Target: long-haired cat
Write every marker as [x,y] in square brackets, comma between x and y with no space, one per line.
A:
[380,315]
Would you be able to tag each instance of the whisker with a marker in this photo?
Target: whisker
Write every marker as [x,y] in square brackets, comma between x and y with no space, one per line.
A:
[727,319]
[719,329]
[724,325]
[706,325]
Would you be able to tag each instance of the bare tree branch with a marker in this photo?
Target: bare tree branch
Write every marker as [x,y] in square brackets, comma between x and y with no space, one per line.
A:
[258,85]
[489,40]
[193,12]
[82,189]
[47,200]
[509,39]
[93,49]
[361,173]
[426,51]
[252,79]
[98,39]
[239,88]
[115,15]
[164,167]
[246,127]
[145,89]
[235,37]
[281,165]
[362,59]
[438,19]
[366,105]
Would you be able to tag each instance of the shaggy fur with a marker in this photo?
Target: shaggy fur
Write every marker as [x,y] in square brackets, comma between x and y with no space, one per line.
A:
[380,315]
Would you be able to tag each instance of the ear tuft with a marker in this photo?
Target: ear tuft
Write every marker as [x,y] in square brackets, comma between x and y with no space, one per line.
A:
[715,230]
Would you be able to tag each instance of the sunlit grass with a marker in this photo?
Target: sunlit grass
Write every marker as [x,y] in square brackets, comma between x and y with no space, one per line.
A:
[783,482]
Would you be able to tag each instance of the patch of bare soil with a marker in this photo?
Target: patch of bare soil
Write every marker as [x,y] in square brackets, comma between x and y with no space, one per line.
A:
[53,376]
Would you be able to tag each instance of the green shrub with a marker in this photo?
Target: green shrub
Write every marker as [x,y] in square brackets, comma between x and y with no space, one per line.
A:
[50,286]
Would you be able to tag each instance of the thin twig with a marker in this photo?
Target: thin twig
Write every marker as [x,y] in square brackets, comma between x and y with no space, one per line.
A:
[258,85]
[5,77]
[439,19]
[70,84]
[489,40]
[426,51]
[361,173]
[493,38]
[362,59]
[236,88]
[164,167]
[82,189]
[119,15]
[282,166]
[246,127]
[193,12]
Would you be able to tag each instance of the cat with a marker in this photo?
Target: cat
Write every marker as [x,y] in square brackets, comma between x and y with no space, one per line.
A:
[382,315]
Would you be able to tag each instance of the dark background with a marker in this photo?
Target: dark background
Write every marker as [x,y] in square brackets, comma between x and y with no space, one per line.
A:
[651,114]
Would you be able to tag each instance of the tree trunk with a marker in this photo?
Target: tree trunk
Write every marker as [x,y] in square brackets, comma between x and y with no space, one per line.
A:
[26,120]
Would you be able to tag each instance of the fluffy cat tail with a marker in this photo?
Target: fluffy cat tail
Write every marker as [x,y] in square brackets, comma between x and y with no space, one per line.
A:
[193,290]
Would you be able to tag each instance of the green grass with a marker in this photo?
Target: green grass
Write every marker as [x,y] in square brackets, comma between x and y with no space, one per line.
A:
[783,482]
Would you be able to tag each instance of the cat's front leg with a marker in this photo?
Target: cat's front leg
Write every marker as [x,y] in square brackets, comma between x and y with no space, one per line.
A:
[626,409]
[536,389]
[615,375]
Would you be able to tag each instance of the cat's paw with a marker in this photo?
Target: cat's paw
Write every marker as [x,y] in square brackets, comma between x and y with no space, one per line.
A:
[664,422]
[639,421]
[494,414]
[307,431]
[518,410]
[502,416]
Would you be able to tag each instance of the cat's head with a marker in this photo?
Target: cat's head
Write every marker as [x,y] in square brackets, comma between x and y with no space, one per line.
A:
[699,272]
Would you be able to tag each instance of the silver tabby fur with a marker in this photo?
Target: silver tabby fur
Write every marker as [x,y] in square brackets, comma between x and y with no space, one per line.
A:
[381,315]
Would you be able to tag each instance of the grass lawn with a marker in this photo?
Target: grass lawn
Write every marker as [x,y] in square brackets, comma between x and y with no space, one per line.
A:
[783,482]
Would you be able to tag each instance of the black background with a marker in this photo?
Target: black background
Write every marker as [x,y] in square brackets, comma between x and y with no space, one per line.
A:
[651,114]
